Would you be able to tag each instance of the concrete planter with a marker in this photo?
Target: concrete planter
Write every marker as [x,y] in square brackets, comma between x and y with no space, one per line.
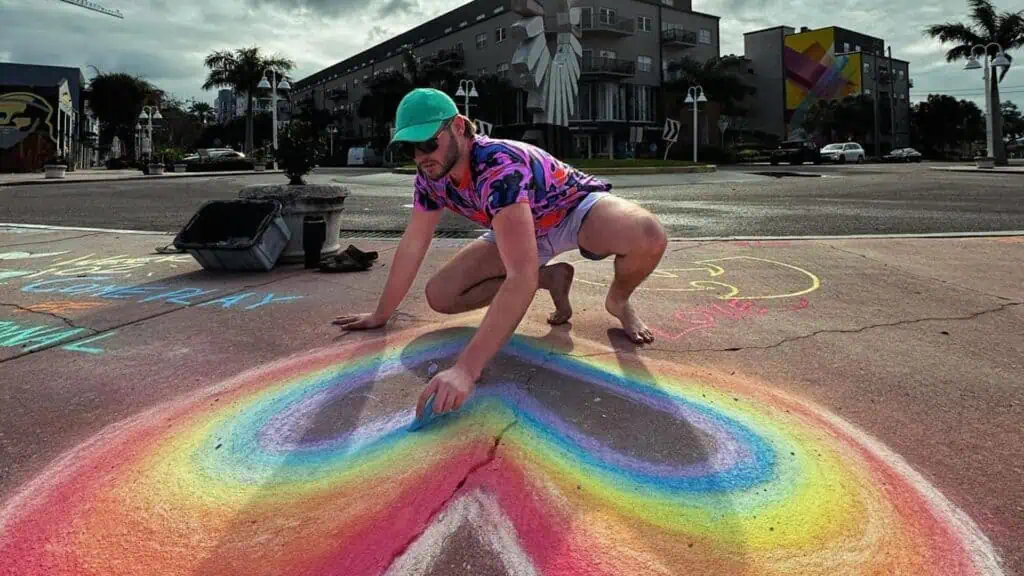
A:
[986,162]
[299,201]
[156,169]
[260,167]
[55,170]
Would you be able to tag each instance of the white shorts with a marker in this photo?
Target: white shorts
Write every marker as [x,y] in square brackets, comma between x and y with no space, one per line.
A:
[565,236]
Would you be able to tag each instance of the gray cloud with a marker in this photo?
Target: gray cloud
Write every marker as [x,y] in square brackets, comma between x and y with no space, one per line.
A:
[393,7]
[320,7]
[376,34]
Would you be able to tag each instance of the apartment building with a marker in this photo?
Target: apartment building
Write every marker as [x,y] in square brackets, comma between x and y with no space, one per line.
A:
[626,46]
[792,70]
[230,105]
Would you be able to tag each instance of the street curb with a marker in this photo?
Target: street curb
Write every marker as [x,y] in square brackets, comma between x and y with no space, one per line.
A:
[171,176]
[623,171]
[977,170]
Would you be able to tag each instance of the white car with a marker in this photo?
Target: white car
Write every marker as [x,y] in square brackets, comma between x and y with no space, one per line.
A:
[843,152]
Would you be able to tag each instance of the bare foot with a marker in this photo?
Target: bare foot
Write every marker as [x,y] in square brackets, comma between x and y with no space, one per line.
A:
[559,283]
[635,328]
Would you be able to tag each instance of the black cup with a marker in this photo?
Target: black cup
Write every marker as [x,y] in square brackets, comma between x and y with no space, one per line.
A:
[314,233]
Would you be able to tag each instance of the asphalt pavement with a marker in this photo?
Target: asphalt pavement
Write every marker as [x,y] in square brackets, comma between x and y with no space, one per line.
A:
[808,407]
[733,202]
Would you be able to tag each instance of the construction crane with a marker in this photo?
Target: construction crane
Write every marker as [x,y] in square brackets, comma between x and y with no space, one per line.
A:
[95,7]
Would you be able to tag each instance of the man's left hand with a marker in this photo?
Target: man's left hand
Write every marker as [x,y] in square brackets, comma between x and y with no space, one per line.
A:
[452,387]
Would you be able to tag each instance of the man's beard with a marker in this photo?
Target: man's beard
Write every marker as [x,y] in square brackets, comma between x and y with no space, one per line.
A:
[449,160]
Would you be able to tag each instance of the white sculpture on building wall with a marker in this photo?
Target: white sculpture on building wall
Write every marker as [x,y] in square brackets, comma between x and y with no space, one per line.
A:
[552,82]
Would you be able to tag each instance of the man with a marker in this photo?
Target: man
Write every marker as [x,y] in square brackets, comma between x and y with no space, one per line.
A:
[535,206]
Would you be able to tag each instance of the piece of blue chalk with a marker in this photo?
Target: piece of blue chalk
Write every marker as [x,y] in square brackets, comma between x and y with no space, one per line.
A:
[428,413]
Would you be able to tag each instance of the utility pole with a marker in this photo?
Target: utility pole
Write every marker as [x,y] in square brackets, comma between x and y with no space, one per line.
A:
[874,103]
[892,100]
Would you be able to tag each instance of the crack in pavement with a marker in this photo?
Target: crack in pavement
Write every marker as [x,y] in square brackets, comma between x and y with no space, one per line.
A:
[52,314]
[917,274]
[812,334]
[138,320]
[472,470]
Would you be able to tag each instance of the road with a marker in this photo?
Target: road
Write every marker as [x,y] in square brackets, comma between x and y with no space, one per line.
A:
[818,200]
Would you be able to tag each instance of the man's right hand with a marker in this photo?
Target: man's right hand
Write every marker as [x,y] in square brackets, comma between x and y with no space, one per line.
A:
[360,321]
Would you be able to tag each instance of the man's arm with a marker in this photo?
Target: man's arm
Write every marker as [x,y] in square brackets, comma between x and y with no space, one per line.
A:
[517,245]
[408,258]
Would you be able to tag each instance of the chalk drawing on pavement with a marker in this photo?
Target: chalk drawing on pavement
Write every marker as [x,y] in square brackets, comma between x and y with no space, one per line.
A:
[120,265]
[30,337]
[706,317]
[242,477]
[761,278]
[29,255]
[104,287]
[62,307]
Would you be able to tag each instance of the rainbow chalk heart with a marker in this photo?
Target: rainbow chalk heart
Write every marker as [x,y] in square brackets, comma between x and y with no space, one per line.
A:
[568,465]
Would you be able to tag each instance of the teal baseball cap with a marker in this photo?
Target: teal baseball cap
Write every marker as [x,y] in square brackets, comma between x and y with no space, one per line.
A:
[421,113]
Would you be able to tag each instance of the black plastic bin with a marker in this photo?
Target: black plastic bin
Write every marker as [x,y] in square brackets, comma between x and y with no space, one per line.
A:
[235,235]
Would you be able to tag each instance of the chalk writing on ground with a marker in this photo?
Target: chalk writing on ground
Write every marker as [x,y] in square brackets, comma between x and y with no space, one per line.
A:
[60,307]
[120,265]
[103,287]
[32,337]
[266,471]
[708,316]
[728,278]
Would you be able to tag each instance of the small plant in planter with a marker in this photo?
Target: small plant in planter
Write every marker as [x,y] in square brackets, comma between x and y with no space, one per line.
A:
[156,167]
[56,167]
[259,160]
[298,151]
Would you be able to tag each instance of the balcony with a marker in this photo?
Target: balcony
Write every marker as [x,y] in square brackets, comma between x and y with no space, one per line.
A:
[454,58]
[608,67]
[612,26]
[679,37]
[338,95]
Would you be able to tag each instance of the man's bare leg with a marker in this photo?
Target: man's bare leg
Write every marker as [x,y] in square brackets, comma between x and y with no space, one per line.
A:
[638,244]
[471,279]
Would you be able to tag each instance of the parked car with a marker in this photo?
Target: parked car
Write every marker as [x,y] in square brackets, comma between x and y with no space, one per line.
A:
[795,152]
[842,152]
[903,155]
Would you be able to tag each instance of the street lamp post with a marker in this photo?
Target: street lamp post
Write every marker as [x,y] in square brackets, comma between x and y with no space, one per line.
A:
[332,129]
[150,113]
[467,89]
[138,141]
[1000,61]
[695,95]
[284,85]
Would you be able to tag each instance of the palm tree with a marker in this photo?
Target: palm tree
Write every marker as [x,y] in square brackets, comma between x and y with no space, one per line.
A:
[201,111]
[986,26]
[719,77]
[242,70]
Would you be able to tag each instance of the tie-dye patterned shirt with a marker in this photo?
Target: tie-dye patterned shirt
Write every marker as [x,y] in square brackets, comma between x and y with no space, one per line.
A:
[504,172]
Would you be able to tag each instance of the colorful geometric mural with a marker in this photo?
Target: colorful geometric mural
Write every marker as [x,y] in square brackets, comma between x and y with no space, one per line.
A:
[815,72]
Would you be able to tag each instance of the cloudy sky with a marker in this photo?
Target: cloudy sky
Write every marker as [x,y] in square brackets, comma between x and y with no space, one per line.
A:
[165,40]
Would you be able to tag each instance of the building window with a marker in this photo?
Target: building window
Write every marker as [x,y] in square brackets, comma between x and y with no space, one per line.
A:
[499,35]
[643,23]
[481,40]
[644,63]
[856,47]
[668,2]
[642,104]
[899,74]
[867,66]
[705,36]
[867,91]
[611,101]
[846,46]
[606,53]
[606,16]
[502,69]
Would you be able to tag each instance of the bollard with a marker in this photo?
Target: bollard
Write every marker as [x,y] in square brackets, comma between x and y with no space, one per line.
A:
[314,233]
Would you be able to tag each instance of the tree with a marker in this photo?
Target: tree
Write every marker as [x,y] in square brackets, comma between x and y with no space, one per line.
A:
[1013,121]
[849,118]
[497,103]
[1005,28]
[117,100]
[202,112]
[943,125]
[242,70]
[720,78]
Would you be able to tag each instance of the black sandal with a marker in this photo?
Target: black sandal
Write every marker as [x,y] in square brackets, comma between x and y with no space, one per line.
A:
[344,262]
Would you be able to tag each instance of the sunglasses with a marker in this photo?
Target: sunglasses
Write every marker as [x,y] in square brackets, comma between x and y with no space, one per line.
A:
[427,146]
